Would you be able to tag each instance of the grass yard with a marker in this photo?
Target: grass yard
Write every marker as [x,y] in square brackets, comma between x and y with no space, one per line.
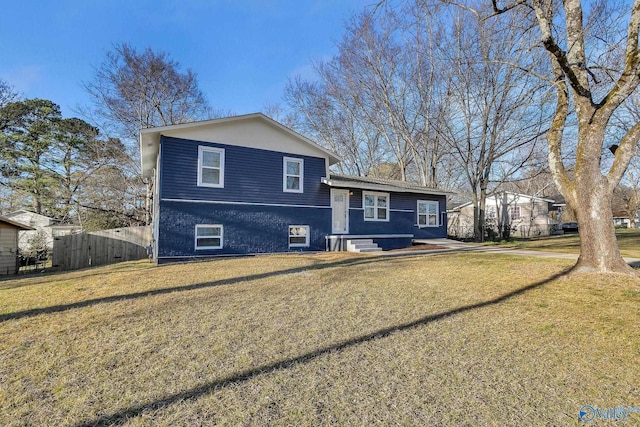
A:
[628,242]
[325,339]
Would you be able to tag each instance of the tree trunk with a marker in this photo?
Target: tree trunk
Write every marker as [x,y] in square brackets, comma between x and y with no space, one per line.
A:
[599,252]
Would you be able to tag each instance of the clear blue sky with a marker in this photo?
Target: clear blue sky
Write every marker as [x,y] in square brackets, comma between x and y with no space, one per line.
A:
[243,51]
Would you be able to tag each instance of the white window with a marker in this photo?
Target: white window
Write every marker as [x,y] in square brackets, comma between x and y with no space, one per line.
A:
[210,167]
[293,175]
[208,236]
[427,213]
[298,236]
[376,206]
[514,213]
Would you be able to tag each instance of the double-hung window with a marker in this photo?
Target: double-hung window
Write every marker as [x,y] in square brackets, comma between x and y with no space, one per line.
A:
[210,167]
[376,206]
[209,236]
[293,175]
[427,213]
[298,236]
[514,213]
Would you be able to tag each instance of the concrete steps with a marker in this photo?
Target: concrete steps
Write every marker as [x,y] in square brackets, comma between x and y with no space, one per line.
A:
[362,245]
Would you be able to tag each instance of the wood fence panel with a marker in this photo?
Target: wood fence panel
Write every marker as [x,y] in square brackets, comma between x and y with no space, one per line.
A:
[100,248]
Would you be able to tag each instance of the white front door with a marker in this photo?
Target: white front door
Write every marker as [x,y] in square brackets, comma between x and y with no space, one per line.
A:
[340,211]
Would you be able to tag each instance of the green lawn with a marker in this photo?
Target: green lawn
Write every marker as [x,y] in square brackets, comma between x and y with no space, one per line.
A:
[628,242]
[326,339]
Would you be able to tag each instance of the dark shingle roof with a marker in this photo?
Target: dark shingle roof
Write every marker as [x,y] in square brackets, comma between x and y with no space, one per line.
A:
[380,184]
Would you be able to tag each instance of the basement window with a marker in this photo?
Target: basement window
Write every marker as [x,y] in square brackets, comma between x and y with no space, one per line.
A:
[298,236]
[208,236]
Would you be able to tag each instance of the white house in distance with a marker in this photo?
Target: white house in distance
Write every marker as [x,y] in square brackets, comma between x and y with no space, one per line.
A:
[528,216]
[40,223]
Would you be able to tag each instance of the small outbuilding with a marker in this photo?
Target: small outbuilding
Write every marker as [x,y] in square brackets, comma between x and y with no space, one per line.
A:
[9,231]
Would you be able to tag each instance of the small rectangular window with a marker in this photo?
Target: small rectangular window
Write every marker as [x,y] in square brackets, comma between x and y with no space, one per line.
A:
[298,236]
[376,206]
[210,167]
[428,213]
[209,236]
[293,175]
[514,213]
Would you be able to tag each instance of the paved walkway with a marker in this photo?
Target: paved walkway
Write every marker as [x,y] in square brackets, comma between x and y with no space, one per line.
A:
[457,246]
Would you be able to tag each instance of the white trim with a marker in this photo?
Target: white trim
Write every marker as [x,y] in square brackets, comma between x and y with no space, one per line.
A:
[155,213]
[346,192]
[285,175]
[221,237]
[299,245]
[437,213]
[376,207]
[220,151]
[220,202]
[368,236]
[391,210]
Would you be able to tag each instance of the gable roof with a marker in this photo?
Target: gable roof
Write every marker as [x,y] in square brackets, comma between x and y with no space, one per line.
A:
[24,211]
[16,224]
[379,184]
[150,137]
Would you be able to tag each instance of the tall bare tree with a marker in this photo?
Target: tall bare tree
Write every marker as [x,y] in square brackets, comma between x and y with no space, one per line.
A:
[496,112]
[378,100]
[132,90]
[327,111]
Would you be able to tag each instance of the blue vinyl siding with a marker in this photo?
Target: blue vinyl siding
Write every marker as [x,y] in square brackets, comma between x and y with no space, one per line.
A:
[247,229]
[402,216]
[250,175]
[253,209]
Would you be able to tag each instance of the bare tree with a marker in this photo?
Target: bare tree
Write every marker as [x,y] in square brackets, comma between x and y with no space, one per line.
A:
[377,102]
[7,93]
[496,112]
[327,111]
[132,90]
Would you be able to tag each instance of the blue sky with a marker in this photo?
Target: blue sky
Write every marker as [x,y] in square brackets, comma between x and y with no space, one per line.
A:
[243,51]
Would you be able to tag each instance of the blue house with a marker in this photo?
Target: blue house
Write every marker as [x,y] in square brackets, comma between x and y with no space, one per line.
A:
[248,184]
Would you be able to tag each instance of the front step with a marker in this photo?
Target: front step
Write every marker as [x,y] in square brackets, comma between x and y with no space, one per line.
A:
[362,245]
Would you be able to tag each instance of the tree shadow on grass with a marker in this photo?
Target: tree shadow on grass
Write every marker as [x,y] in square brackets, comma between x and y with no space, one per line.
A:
[125,414]
[153,292]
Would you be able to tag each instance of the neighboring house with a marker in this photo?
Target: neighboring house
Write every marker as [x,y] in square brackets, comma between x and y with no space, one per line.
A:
[40,224]
[248,184]
[9,230]
[526,215]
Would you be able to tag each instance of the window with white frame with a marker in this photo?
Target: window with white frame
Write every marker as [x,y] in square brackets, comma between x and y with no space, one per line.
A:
[376,206]
[209,236]
[293,175]
[428,213]
[514,213]
[298,236]
[210,167]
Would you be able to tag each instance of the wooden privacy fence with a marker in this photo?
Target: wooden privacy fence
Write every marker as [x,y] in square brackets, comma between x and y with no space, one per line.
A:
[100,248]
